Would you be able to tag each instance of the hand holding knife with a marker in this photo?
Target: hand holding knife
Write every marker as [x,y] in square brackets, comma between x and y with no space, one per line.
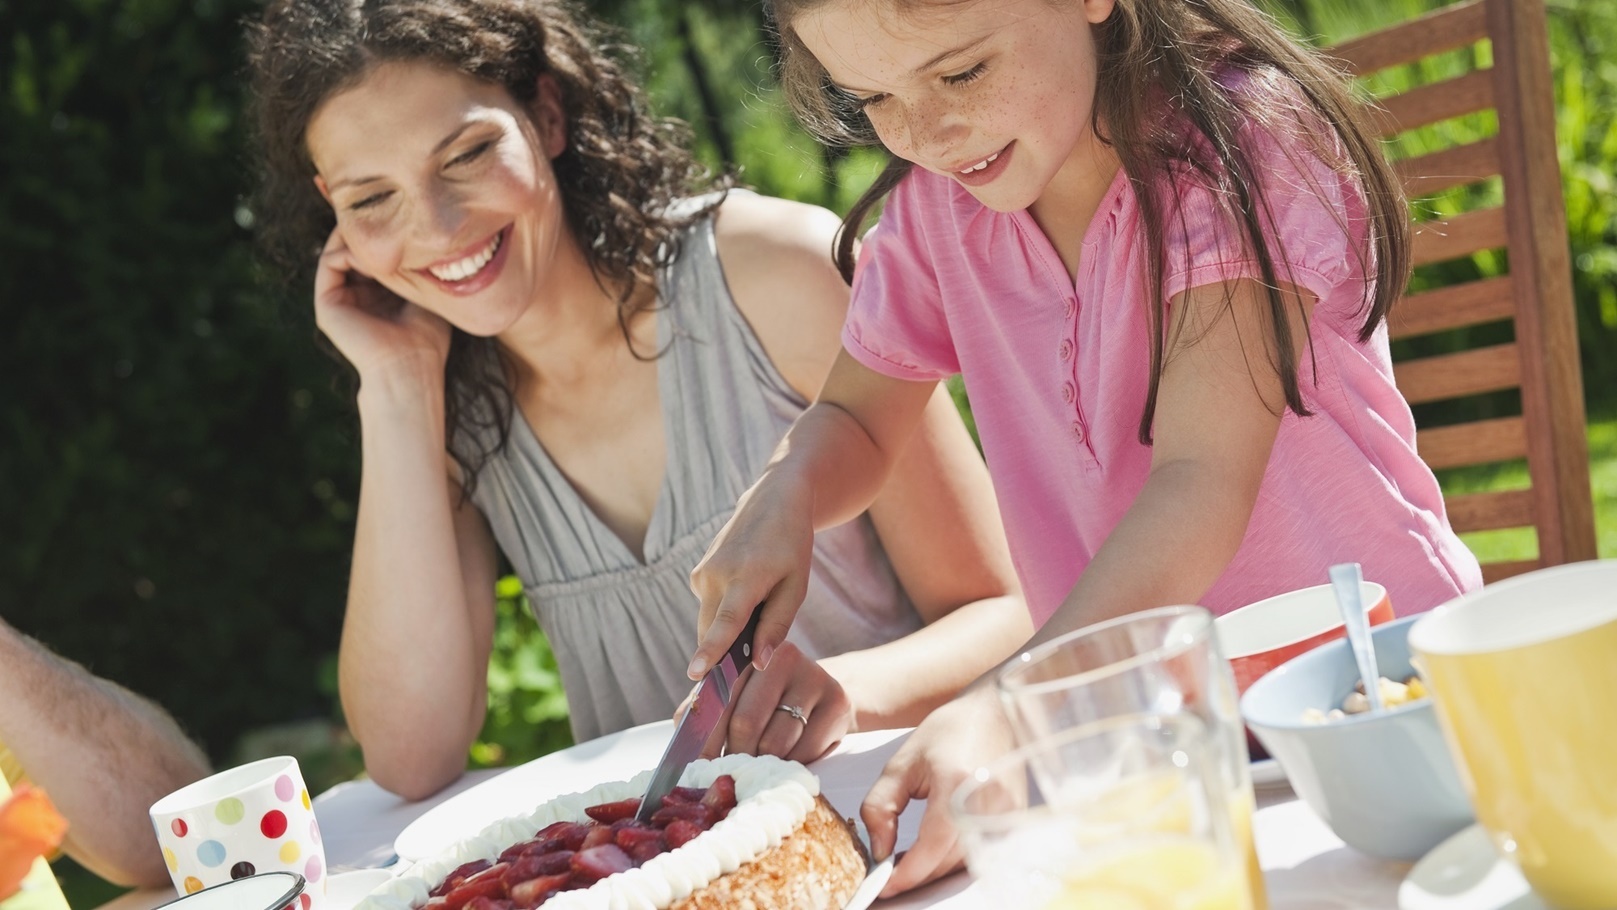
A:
[701,718]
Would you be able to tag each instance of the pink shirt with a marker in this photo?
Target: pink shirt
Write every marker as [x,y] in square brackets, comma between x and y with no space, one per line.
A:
[1057,373]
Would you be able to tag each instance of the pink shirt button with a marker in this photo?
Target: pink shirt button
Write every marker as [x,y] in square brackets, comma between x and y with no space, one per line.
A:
[1072,307]
[1066,349]
[1077,431]
[1068,393]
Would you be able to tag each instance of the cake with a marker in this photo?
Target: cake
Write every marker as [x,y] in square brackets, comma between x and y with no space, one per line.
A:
[740,831]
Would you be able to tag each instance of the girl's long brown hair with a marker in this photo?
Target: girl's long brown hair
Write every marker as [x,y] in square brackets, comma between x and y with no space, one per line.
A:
[1161,103]
[620,172]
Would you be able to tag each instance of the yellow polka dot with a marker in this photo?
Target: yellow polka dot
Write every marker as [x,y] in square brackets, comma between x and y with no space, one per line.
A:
[172,860]
[290,851]
[192,884]
[305,799]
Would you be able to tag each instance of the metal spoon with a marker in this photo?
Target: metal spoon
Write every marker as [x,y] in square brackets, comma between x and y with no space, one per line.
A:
[1346,580]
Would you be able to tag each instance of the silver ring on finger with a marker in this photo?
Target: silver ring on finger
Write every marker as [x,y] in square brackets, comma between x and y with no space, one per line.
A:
[795,712]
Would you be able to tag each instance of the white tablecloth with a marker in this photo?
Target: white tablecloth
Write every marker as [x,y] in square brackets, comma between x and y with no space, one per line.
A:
[1305,865]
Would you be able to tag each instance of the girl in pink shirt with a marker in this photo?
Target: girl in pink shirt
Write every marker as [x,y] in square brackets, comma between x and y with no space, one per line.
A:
[1159,246]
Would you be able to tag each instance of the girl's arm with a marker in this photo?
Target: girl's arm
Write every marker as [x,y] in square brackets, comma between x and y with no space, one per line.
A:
[413,662]
[940,525]
[1218,411]
[937,519]
[834,461]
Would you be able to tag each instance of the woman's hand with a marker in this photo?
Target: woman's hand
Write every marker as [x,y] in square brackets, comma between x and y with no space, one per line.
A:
[759,559]
[756,721]
[944,750]
[370,325]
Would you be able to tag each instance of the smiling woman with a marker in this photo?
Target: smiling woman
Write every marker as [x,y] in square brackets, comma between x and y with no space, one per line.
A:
[575,350]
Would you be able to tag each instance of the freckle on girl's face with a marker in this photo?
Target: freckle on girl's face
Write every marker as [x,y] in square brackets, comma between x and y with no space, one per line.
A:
[950,86]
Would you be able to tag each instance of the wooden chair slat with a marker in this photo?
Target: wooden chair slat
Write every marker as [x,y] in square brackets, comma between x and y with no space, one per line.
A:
[1435,172]
[1440,30]
[1477,442]
[1433,103]
[1473,372]
[1540,263]
[1536,296]
[1491,511]
[1460,235]
[1496,571]
[1452,307]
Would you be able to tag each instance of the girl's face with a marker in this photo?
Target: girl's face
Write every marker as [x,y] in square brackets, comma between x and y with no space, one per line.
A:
[995,94]
[443,189]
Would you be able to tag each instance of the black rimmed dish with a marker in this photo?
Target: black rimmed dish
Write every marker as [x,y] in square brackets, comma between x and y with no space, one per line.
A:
[265,891]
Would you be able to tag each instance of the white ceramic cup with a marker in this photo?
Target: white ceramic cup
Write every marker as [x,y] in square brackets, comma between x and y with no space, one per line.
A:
[243,821]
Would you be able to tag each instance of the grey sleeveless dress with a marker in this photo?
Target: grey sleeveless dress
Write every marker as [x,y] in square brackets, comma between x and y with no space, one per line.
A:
[623,629]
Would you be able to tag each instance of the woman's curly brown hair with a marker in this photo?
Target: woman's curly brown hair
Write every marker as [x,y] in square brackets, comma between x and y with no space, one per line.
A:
[620,173]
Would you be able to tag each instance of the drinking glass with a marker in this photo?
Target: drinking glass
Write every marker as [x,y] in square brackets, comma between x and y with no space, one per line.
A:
[1165,662]
[1130,811]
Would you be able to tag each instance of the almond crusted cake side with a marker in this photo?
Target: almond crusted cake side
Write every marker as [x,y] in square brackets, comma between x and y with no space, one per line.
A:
[818,867]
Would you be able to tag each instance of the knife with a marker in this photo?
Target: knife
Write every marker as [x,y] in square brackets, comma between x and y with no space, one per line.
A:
[712,695]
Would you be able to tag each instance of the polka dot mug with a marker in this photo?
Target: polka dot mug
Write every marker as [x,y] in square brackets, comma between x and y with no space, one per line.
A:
[240,822]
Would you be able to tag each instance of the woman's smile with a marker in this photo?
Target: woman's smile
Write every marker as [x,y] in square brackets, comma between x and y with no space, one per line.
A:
[470,271]
[443,191]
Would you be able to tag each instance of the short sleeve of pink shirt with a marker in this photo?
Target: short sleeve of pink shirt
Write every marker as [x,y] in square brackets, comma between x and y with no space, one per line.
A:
[900,311]
[1320,215]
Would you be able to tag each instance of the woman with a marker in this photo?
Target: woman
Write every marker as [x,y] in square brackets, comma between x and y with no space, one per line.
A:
[569,355]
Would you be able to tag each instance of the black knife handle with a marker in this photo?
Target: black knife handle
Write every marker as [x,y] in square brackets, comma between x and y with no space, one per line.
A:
[741,648]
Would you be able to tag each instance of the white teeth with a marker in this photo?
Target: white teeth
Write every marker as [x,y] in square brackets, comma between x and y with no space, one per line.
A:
[981,164]
[471,265]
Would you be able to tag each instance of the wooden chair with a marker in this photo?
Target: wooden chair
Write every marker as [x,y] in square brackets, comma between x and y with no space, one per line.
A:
[1535,295]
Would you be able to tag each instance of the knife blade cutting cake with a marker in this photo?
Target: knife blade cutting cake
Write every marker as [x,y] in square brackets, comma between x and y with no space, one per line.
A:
[740,831]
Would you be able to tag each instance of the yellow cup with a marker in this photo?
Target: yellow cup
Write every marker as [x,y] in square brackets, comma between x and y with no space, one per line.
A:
[1524,676]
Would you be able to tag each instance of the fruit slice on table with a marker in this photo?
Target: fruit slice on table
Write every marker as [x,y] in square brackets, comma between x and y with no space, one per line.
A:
[29,828]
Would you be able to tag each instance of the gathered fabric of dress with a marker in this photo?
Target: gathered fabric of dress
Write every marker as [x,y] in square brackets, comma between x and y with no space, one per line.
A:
[623,628]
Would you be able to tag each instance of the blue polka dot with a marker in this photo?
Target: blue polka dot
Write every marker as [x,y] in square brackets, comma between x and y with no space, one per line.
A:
[211,853]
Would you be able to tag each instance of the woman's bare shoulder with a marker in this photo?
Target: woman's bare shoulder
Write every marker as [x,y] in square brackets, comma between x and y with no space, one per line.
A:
[776,256]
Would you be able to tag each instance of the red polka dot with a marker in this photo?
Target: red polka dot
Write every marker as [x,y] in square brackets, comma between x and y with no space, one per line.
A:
[273,824]
[305,900]
[179,827]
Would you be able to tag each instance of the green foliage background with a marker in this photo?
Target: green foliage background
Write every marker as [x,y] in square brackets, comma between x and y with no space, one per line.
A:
[177,474]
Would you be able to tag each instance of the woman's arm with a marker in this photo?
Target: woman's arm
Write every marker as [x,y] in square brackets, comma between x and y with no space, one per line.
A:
[413,662]
[419,626]
[102,754]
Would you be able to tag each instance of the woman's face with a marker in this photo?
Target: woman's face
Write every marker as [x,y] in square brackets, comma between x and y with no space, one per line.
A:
[994,94]
[443,189]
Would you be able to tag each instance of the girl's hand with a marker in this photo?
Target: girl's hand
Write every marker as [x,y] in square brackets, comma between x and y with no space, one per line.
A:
[944,750]
[759,559]
[371,326]
[756,722]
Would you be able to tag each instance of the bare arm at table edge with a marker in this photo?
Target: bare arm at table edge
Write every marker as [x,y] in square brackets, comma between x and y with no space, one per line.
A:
[102,754]
[419,626]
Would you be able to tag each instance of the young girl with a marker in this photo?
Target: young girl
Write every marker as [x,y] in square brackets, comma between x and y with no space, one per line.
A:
[564,356]
[1159,246]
